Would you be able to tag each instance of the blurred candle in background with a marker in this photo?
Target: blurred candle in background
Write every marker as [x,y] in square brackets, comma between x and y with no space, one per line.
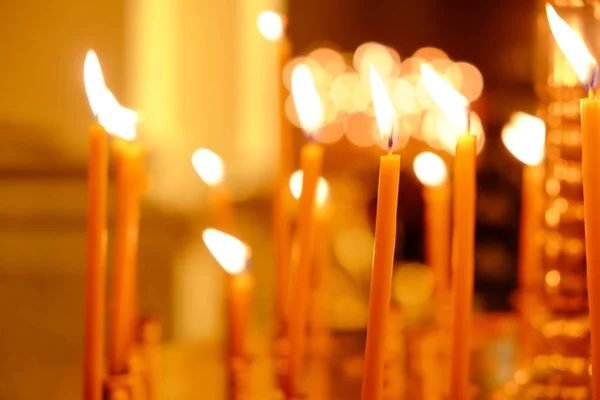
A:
[234,257]
[95,284]
[456,109]
[130,183]
[586,68]
[271,26]
[431,171]
[308,105]
[385,243]
[524,136]
[209,167]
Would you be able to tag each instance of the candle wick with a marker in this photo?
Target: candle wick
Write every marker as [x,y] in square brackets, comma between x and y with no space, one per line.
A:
[390,144]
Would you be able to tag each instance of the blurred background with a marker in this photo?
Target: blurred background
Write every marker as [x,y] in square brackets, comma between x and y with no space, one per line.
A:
[201,75]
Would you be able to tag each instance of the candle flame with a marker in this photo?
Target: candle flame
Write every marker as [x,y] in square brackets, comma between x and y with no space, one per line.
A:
[209,166]
[116,119]
[384,110]
[270,25]
[230,253]
[573,47]
[306,99]
[430,169]
[94,81]
[296,187]
[524,137]
[452,103]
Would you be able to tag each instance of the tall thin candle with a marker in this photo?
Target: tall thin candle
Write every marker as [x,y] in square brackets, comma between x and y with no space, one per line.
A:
[587,70]
[456,108]
[385,242]
[309,109]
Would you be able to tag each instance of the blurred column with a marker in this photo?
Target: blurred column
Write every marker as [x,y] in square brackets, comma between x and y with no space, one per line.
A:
[201,75]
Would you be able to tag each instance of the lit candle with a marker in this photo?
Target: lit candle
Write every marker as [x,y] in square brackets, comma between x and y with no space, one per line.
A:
[271,26]
[456,108]
[587,70]
[310,113]
[321,253]
[524,137]
[431,171]
[234,257]
[95,284]
[130,183]
[209,167]
[385,243]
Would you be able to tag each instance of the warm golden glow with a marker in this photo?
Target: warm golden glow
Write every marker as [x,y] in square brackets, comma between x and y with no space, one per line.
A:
[572,46]
[270,25]
[553,278]
[116,119]
[384,109]
[430,169]
[230,253]
[296,188]
[306,99]
[452,103]
[209,166]
[524,136]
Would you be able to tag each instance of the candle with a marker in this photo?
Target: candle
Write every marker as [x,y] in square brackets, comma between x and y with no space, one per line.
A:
[310,113]
[271,26]
[321,253]
[456,107]
[209,167]
[524,137]
[385,241]
[95,286]
[586,68]
[233,256]
[431,171]
[130,180]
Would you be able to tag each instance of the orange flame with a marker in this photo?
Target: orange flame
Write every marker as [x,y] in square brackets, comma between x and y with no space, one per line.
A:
[209,166]
[572,46]
[270,25]
[430,169]
[116,119]
[524,137]
[296,188]
[452,103]
[230,253]
[384,110]
[306,99]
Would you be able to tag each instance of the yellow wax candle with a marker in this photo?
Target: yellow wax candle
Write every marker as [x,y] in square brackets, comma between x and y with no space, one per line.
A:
[310,163]
[586,68]
[233,256]
[385,243]
[95,283]
[281,218]
[590,144]
[456,108]
[129,185]
[463,252]
[431,171]
[272,26]
[381,276]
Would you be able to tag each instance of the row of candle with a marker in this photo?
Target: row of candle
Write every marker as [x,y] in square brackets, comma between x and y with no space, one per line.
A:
[130,178]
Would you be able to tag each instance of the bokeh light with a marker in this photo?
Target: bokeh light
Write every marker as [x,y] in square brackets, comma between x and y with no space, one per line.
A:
[209,166]
[413,285]
[430,169]
[361,129]
[331,61]
[467,79]
[270,25]
[524,136]
[353,249]
[430,54]
[378,56]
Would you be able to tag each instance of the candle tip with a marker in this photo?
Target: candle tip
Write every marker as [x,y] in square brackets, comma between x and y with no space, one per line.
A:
[592,81]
